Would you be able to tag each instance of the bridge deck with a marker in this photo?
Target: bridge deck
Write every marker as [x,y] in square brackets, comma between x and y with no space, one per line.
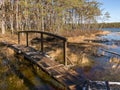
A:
[69,78]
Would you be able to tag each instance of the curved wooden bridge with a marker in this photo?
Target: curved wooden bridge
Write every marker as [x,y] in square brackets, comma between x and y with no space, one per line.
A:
[69,78]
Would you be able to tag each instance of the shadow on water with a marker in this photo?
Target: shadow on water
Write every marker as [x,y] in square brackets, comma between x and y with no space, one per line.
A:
[33,81]
[16,74]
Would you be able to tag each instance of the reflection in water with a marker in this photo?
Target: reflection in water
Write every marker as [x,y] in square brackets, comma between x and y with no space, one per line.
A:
[106,65]
[112,36]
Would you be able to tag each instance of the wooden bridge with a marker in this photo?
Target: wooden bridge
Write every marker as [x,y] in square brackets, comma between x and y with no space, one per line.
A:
[69,78]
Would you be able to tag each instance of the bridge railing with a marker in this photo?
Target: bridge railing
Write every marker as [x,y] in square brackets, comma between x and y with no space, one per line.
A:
[42,43]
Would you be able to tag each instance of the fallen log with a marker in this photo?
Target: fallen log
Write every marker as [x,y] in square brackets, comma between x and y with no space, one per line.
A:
[111,52]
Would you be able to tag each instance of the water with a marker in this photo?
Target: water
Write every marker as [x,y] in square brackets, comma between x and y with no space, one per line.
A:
[112,29]
[113,45]
[17,74]
[105,68]
[115,35]
[112,36]
[113,39]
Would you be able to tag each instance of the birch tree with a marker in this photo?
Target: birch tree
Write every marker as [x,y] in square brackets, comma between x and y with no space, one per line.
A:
[3,16]
[48,15]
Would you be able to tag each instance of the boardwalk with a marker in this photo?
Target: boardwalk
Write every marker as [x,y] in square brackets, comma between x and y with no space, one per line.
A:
[69,78]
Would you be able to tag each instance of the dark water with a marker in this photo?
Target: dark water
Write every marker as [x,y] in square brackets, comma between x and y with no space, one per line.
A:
[17,74]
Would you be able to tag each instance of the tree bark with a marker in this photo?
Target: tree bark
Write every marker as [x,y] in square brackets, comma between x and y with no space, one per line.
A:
[3,18]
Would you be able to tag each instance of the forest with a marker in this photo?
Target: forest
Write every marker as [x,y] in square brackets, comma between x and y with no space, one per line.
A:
[49,15]
[110,25]
[84,55]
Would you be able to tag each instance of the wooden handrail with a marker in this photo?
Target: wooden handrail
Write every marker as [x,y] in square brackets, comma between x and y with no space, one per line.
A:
[42,44]
[46,33]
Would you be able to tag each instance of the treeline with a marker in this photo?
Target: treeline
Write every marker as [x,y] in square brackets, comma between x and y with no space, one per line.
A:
[110,25]
[48,15]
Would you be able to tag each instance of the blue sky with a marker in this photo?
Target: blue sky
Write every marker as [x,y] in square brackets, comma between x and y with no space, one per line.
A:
[113,7]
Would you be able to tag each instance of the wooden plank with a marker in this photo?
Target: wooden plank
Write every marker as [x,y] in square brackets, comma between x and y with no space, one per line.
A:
[43,64]
[61,70]
[49,62]
[54,72]
[56,66]
[59,76]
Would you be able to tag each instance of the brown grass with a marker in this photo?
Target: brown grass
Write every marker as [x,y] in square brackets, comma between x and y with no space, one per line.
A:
[80,35]
[72,50]
[74,33]
[8,37]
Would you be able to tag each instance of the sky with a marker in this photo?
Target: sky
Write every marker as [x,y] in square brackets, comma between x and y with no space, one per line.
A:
[113,7]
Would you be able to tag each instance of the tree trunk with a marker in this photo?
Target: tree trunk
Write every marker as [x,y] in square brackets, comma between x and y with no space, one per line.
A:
[3,25]
[42,24]
[17,15]
[3,18]
[11,23]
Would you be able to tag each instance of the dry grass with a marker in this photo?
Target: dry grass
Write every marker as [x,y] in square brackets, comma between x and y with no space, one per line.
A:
[13,38]
[74,51]
[79,36]
[87,33]
[56,53]
[8,37]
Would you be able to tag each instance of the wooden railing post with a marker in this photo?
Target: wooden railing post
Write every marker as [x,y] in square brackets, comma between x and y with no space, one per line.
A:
[18,38]
[42,50]
[65,52]
[107,85]
[27,39]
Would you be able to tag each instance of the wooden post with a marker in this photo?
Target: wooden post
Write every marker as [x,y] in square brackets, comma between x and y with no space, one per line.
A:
[42,42]
[65,52]
[107,85]
[27,39]
[18,38]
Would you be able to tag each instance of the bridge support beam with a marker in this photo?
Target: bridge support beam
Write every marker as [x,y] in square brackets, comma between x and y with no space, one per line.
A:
[42,50]
[18,38]
[27,40]
[65,52]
